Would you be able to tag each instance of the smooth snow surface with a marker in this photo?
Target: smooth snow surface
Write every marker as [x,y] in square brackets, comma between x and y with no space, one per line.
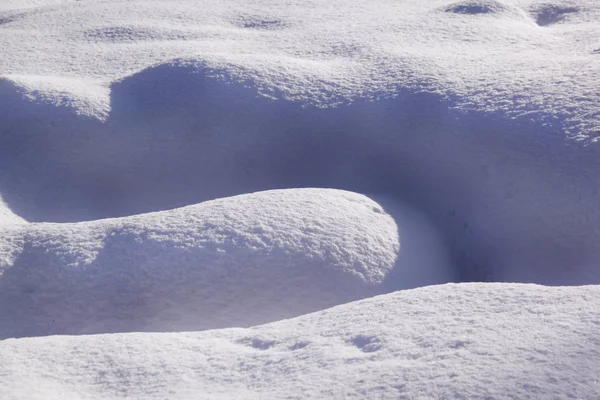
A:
[239,261]
[182,165]
[482,114]
[468,341]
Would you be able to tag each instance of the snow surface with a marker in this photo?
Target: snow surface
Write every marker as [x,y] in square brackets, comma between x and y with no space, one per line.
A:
[482,114]
[238,261]
[468,341]
[181,165]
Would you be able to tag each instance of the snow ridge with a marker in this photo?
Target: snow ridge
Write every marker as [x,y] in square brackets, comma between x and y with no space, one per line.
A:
[475,341]
[170,166]
[239,261]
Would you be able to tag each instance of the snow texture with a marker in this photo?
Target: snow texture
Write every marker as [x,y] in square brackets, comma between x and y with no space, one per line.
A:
[118,108]
[238,261]
[183,165]
[467,341]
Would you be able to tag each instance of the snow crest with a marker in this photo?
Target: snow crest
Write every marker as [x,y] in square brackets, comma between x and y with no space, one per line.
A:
[239,261]
[475,341]
[188,165]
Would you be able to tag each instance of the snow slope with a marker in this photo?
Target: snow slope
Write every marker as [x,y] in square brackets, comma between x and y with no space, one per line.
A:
[177,165]
[482,114]
[468,341]
[239,261]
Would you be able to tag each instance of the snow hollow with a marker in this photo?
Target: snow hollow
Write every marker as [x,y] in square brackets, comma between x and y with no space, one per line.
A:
[170,166]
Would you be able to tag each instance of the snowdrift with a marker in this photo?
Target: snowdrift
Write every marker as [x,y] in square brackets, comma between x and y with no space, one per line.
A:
[185,165]
[239,261]
[515,200]
[471,341]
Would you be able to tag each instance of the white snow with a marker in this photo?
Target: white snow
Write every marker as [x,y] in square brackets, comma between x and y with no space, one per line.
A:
[238,261]
[181,165]
[475,112]
[468,341]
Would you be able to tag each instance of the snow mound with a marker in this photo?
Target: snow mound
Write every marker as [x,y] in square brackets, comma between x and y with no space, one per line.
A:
[231,262]
[475,341]
[471,127]
[514,199]
[105,118]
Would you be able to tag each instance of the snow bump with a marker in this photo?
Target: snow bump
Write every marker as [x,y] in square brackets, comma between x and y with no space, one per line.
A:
[476,341]
[231,262]
[188,165]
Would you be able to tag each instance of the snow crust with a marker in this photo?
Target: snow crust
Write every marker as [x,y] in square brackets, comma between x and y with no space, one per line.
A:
[238,261]
[481,114]
[182,165]
[467,341]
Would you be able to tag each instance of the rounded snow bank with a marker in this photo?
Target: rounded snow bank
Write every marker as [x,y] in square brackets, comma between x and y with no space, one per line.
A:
[238,261]
[475,341]
[185,106]
[514,198]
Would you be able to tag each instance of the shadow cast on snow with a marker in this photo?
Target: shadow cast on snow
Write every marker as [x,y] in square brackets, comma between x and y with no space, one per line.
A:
[513,199]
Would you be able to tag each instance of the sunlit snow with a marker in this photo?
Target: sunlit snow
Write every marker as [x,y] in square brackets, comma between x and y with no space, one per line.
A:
[175,166]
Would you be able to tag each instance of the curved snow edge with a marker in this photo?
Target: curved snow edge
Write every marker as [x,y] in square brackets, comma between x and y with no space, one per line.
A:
[467,340]
[237,261]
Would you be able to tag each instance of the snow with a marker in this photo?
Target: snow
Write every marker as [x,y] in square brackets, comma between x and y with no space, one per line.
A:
[468,341]
[107,115]
[170,167]
[239,261]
